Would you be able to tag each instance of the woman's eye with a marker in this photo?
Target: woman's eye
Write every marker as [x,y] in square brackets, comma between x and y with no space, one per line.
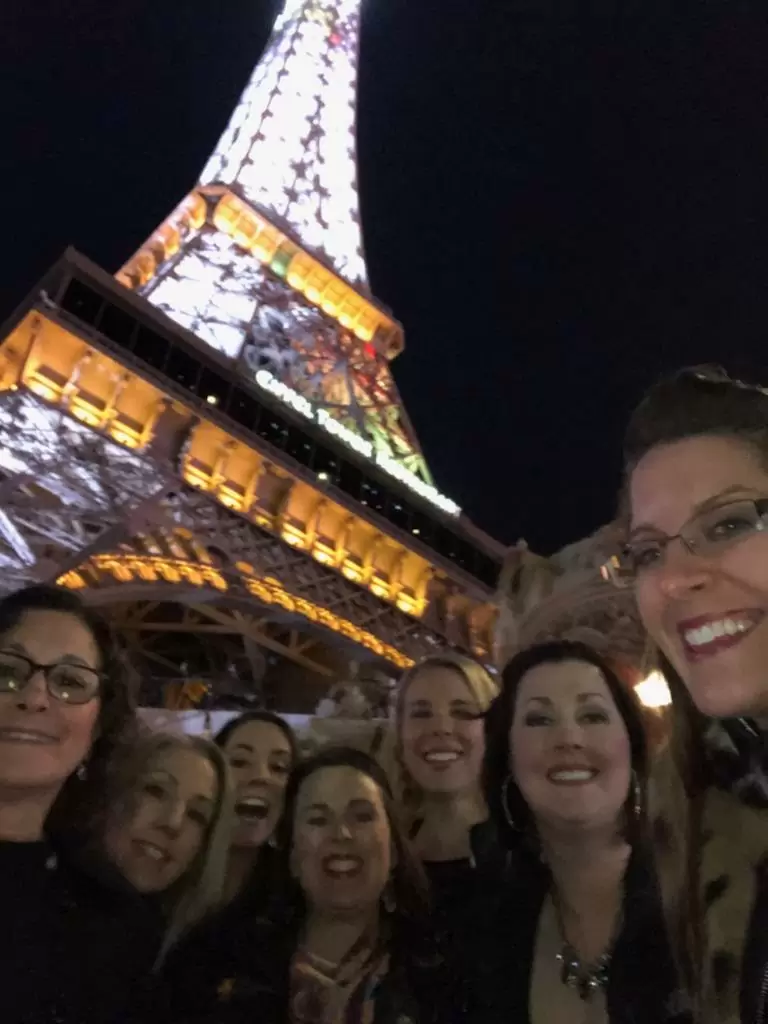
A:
[537,719]
[279,769]
[421,713]
[238,762]
[317,821]
[466,714]
[154,789]
[199,817]
[364,816]
[730,526]
[645,555]
[595,717]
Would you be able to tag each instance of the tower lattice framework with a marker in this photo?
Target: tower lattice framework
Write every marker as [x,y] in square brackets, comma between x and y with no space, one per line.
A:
[264,259]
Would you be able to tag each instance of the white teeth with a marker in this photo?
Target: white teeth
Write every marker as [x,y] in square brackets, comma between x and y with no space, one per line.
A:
[723,627]
[253,801]
[572,775]
[342,865]
[154,852]
[22,736]
[442,756]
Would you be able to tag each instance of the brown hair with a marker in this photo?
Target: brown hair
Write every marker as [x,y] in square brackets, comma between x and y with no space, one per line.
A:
[693,402]
[697,401]
[78,809]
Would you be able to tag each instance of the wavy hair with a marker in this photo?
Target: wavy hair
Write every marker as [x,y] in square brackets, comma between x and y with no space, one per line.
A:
[200,890]
[77,812]
[506,804]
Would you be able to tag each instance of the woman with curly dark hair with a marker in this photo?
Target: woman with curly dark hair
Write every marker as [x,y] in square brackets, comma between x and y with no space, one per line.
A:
[346,939]
[73,941]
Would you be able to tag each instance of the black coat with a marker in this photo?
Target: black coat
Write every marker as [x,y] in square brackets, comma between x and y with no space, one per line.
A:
[73,949]
[500,945]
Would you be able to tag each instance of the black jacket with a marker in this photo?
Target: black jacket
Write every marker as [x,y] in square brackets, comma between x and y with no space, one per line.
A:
[500,946]
[235,969]
[73,949]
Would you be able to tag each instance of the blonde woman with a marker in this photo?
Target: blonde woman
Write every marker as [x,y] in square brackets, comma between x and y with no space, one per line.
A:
[440,746]
[170,827]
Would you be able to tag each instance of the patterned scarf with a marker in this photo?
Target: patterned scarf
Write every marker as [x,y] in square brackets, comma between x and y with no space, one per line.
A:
[345,993]
[737,753]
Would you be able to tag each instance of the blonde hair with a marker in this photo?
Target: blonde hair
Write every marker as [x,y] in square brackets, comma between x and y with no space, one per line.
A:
[200,890]
[478,681]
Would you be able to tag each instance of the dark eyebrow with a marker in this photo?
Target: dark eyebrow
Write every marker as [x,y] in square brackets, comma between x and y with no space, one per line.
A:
[703,506]
[581,698]
[70,659]
[242,746]
[421,703]
[317,807]
[361,804]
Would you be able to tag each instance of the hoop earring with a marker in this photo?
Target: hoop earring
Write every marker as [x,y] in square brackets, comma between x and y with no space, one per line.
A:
[505,803]
[82,772]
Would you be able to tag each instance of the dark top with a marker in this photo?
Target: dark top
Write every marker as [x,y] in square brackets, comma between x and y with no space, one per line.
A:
[642,986]
[237,971]
[73,950]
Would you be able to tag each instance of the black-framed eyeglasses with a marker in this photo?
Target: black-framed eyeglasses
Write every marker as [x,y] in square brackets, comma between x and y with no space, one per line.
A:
[707,533]
[71,684]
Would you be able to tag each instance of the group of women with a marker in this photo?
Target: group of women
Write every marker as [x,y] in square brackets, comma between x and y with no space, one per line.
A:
[530,858]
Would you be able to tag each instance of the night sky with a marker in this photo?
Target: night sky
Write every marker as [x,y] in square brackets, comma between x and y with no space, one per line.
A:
[561,199]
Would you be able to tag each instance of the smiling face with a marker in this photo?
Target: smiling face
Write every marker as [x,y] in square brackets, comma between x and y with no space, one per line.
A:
[260,759]
[441,733]
[706,613]
[569,747]
[44,740]
[156,839]
[342,844]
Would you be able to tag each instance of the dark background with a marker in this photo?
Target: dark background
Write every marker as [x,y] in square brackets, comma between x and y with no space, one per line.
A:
[561,199]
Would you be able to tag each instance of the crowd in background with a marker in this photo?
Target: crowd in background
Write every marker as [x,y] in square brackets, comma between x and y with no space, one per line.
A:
[527,853]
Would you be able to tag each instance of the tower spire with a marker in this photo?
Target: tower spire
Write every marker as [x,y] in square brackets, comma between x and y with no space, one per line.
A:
[289,147]
[263,259]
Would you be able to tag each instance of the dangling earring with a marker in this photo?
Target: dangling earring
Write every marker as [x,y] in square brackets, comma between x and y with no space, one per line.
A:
[82,772]
[505,803]
[637,796]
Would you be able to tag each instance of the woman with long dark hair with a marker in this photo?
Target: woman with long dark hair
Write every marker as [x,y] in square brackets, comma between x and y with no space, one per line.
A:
[696,507]
[261,750]
[576,931]
[74,941]
[345,940]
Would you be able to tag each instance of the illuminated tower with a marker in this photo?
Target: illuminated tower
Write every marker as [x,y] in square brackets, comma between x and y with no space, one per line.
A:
[264,259]
[211,444]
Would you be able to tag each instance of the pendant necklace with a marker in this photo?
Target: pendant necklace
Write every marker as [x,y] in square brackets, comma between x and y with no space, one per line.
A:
[586,979]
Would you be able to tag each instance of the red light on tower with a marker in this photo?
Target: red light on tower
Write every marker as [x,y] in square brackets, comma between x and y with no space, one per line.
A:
[370,350]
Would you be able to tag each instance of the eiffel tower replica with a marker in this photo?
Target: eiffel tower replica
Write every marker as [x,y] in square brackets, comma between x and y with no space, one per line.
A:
[210,445]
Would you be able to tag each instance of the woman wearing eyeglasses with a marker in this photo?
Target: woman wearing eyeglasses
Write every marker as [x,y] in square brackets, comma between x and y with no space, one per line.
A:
[696,455]
[72,946]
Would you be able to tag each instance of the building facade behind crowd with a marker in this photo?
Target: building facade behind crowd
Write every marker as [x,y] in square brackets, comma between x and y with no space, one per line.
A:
[511,849]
